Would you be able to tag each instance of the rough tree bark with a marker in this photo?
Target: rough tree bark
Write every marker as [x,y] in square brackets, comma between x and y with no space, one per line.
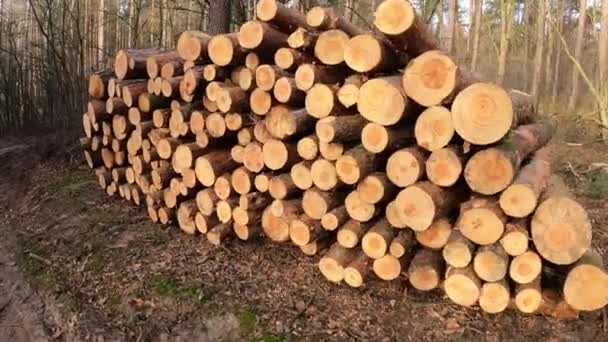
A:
[538,57]
[578,51]
[219,16]
[451,29]
[100,34]
[506,10]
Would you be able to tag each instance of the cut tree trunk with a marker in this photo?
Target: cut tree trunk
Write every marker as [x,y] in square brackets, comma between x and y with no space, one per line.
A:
[436,236]
[326,18]
[259,36]
[444,166]
[192,45]
[491,262]
[358,209]
[301,175]
[403,243]
[426,270]
[283,122]
[286,18]
[308,75]
[376,241]
[481,220]
[434,129]
[383,101]
[337,217]
[515,239]
[340,128]
[376,188]
[586,285]
[332,264]
[356,271]
[324,175]
[406,166]
[495,296]
[377,138]
[525,268]
[462,286]
[304,230]
[322,101]
[225,50]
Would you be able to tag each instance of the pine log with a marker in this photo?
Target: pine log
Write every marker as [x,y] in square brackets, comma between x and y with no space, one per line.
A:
[308,75]
[255,201]
[131,63]
[121,127]
[324,175]
[242,180]
[245,136]
[554,306]
[205,223]
[433,78]
[444,166]
[189,178]
[147,103]
[420,204]
[525,268]
[87,126]
[260,132]
[116,106]
[358,209]
[340,128]
[252,61]
[197,122]
[561,230]
[377,138]
[426,270]
[335,218]
[212,89]
[376,188]
[494,297]
[219,233]
[326,18]
[321,243]
[93,159]
[98,84]
[308,147]
[437,235]
[206,201]
[260,101]
[253,158]
[332,264]
[135,116]
[522,196]
[237,153]
[232,99]
[355,164]
[403,243]
[285,18]
[223,210]
[266,76]
[376,241]
[193,80]
[586,285]
[330,47]
[160,117]
[107,156]
[483,113]
[222,187]
[406,166]
[289,59]
[247,79]
[259,36]
[155,63]
[236,121]
[172,69]
[371,53]
[192,45]
[279,155]
[356,271]
[165,215]
[215,125]
[276,227]
[351,232]
[156,135]
[185,216]
[301,175]
[225,50]
[348,95]
[528,297]
[302,39]
[213,164]
[434,128]
[492,170]
[304,230]
[286,91]
[246,232]
[515,239]
[481,220]
[170,87]
[157,86]
[321,101]
[462,286]
[246,217]
[213,72]
[283,122]
[185,155]
[282,186]
[491,262]
[389,267]
[398,21]
[317,203]
[166,147]
[382,100]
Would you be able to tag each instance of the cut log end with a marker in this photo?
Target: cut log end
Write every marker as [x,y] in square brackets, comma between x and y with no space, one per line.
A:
[494,297]
[320,101]
[381,101]
[444,167]
[525,268]
[462,286]
[489,171]
[387,267]
[330,47]
[482,224]
[416,208]
[482,113]
[434,128]
[561,230]
[394,17]
[301,175]
[308,147]
[323,173]
[260,101]
[518,200]
[364,53]
[586,287]
[430,78]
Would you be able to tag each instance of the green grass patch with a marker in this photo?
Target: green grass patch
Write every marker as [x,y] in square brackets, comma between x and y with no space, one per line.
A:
[596,185]
[169,287]
[247,322]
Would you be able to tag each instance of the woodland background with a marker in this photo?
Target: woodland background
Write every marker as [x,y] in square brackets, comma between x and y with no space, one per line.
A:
[557,50]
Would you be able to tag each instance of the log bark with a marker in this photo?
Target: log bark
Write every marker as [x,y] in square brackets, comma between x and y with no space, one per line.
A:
[131,63]
[371,53]
[148,103]
[308,75]
[156,62]
[98,84]
[586,285]
[286,91]
[376,241]
[492,170]
[325,18]
[522,196]
[283,122]
[317,203]
[356,271]
[403,243]
[232,99]
[515,239]
[332,264]
[186,215]
[358,209]
[304,230]
[289,59]
[219,233]
[302,39]
[335,218]
[259,36]
[276,227]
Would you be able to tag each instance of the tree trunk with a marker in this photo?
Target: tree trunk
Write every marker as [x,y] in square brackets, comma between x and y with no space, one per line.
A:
[100,34]
[477,32]
[538,57]
[506,10]
[578,52]
[451,29]
[603,64]
[219,16]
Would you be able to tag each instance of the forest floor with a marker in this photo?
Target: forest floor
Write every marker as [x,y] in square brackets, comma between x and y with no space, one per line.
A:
[76,265]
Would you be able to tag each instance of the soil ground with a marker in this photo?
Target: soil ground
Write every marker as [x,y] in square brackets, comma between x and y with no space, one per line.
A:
[76,265]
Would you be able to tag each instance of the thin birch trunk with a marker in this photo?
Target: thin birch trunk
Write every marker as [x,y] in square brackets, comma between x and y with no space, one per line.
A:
[101,34]
[578,51]
[451,29]
[538,56]
[476,33]
[505,36]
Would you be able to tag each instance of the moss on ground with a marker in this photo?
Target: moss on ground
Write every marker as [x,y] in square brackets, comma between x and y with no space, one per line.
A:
[169,287]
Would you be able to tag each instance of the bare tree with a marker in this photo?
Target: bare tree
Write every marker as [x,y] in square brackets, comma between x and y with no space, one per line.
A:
[451,29]
[603,53]
[578,50]
[476,33]
[506,11]
[538,56]
[219,16]
[100,34]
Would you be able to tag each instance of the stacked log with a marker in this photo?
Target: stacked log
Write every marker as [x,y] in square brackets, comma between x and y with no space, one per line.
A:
[303,129]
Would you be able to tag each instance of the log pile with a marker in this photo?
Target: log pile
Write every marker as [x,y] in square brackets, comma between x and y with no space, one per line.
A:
[373,150]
